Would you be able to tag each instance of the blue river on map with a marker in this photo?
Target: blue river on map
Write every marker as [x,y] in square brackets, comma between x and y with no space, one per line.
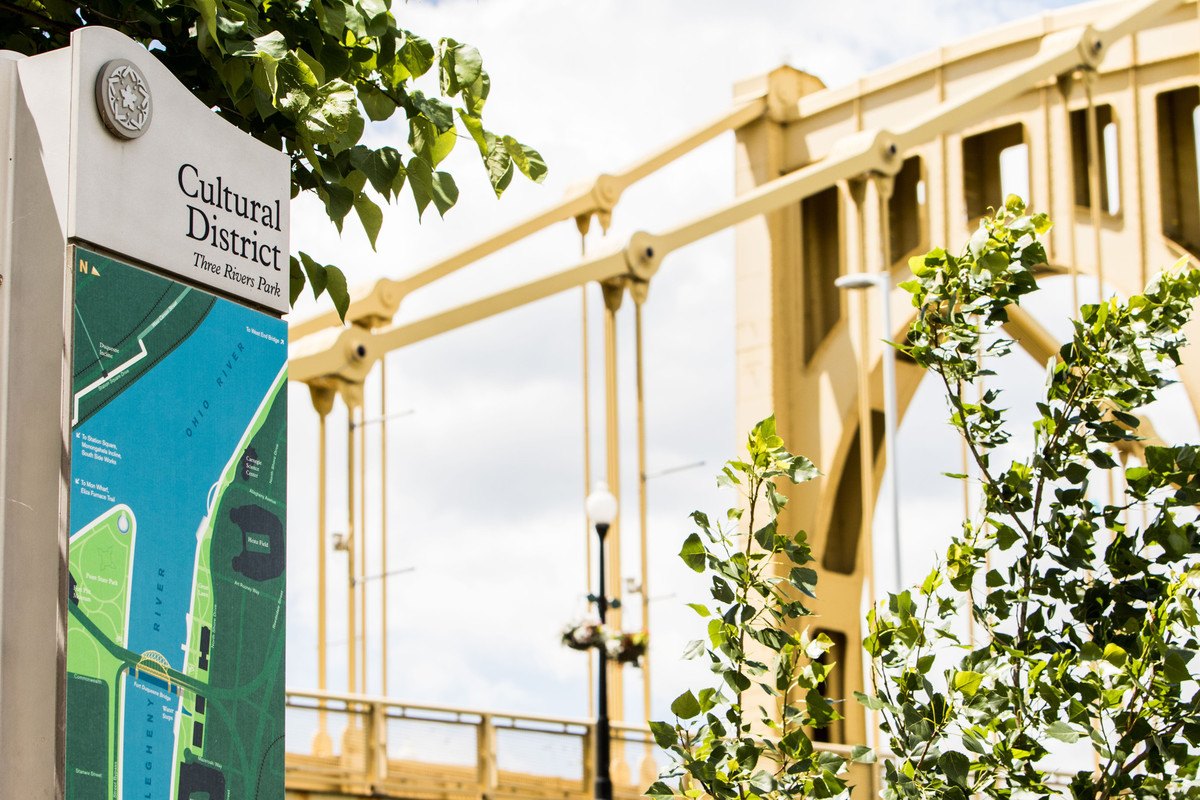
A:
[164,475]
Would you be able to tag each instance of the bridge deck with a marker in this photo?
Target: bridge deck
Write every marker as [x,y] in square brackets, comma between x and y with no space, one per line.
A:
[342,746]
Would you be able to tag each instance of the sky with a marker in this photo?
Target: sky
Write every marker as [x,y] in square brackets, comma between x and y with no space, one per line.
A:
[485,489]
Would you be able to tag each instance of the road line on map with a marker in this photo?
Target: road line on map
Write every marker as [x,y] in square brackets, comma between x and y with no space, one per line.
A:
[103,379]
[117,371]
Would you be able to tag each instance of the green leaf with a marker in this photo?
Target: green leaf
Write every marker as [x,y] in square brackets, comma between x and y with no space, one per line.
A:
[1006,537]
[370,215]
[338,201]
[475,96]
[818,646]
[495,158]
[420,182]
[686,706]
[272,44]
[428,185]
[967,682]
[377,104]
[338,292]
[468,64]
[1063,732]
[443,144]
[664,735]
[329,113]
[762,781]
[445,192]
[296,284]
[956,766]
[873,703]
[434,110]
[333,18]
[318,276]
[528,160]
[861,754]
[314,66]
[461,66]
[372,8]
[382,168]
[736,680]
[356,23]
[659,789]
[1176,666]
[291,85]
[700,609]
[416,54]
[693,552]
[208,15]
[804,579]
[1115,655]
[801,469]
[427,142]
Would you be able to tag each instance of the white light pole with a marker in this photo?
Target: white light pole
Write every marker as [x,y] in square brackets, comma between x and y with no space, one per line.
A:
[882,282]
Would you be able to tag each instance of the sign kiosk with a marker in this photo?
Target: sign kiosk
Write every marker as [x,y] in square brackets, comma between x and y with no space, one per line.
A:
[143,435]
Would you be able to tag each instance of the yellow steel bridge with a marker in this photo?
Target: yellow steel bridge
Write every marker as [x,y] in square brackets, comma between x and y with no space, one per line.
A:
[1099,102]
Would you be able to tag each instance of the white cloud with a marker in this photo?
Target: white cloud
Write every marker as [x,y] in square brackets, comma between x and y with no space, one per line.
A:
[486,482]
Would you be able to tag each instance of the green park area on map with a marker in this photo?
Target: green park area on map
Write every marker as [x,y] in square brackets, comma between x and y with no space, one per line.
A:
[175,641]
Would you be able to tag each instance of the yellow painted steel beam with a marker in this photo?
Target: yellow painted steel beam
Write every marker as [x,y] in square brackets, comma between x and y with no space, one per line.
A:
[586,391]
[1031,335]
[383,529]
[378,305]
[351,548]
[355,350]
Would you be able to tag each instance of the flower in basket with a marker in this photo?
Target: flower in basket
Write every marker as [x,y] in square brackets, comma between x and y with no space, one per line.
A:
[583,635]
[626,648]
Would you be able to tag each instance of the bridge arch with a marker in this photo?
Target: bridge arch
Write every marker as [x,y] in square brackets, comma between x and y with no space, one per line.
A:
[155,664]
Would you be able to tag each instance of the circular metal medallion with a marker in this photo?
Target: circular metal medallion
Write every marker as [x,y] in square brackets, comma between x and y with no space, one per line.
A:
[123,99]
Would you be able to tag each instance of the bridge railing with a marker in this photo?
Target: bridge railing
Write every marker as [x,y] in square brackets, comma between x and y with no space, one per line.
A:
[354,745]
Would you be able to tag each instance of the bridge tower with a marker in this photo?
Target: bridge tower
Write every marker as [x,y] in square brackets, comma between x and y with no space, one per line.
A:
[1103,139]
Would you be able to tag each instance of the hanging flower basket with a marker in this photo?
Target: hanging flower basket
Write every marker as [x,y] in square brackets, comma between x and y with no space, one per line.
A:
[623,648]
[583,635]
[627,648]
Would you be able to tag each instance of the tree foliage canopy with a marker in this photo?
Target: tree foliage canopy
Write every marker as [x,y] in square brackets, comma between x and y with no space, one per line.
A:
[304,77]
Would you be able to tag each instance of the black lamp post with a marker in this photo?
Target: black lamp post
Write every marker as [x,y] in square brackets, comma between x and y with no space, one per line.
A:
[602,510]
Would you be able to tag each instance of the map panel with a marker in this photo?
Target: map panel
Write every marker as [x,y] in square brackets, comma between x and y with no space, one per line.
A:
[175,629]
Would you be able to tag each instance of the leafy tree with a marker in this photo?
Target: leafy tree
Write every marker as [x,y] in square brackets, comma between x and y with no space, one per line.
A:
[300,76]
[728,748]
[1089,623]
